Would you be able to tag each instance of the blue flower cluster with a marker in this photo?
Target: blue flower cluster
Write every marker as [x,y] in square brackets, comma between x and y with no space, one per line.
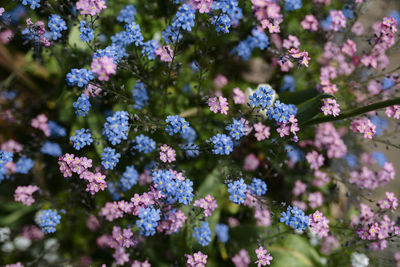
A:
[189,135]
[222,23]
[223,144]
[230,8]
[87,33]
[184,18]
[281,112]
[149,49]
[262,97]
[202,234]
[52,149]
[258,187]
[4,158]
[139,94]
[289,83]
[191,149]
[31,3]
[133,34]
[236,129]
[171,35]
[24,164]
[80,77]
[127,14]
[129,178]
[148,221]
[291,5]
[295,218]
[49,220]
[237,191]
[173,189]
[258,39]
[56,130]
[56,25]
[82,105]
[109,158]
[82,138]
[144,144]
[116,127]
[115,51]
[222,232]
[176,124]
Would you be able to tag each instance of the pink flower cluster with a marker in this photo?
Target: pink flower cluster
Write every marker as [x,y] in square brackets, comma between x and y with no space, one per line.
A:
[196,260]
[209,204]
[286,129]
[173,223]
[393,111]
[251,162]
[103,67]
[389,202]
[319,224]
[90,7]
[32,232]
[204,6]
[310,22]
[92,90]
[41,123]
[349,48]
[364,126]
[238,96]
[330,243]
[167,154]
[38,30]
[24,194]
[315,200]
[299,188]
[338,20]
[70,164]
[291,42]
[366,178]
[268,14]
[220,81]
[374,228]
[261,131]
[327,136]
[11,146]
[241,259]
[321,179]
[121,238]
[301,57]
[218,104]
[330,107]
[165,53]
[137,263]
[316,160]
[263,257]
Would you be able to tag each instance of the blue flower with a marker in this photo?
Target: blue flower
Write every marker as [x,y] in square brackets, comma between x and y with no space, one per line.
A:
[82,105]
[236,129]
[140,96]
[222,232]
[294,154]
[115,51]
[351,160]
[223,144]
[262,97]
[52,149]
[222,23]
[116,127]
[148,220]
[237,191]
[80,77]
[202,234]
[258,187]
[149,49]
[56,130]
[191,149]
[49,220]
[189,135]
[184,18]
[171,35]
[387,83]
[5,157]
[291,5]
[379,157]
[281,112]
[87,33]
[24,164]
[381,124]
[144,144]
[82,138]
[56,25]
[134,35]
[173,189]
[176,124]
[127,14]
[109,158]
[129,178]
[289,83]
[295,218]
[31,3]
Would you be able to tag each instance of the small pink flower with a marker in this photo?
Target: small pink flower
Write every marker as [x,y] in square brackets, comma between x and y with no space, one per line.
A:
[251,162]
[299,188]
[338,20]
[283,130]
[90,7]
[220,81]
[167,154]
[241,259]
[41,123]
[264,258]
[103,67]
[24,194]
[238,96]
[315,199]
[165,53]
[310,22]
[330,107]
[349,48]
[316,160]
[291,42]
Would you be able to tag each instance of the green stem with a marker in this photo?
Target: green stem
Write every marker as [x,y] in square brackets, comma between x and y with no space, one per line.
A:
[355,112]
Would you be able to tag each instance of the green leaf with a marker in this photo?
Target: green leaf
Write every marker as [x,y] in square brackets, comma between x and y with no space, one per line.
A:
[311,107]
[297,97]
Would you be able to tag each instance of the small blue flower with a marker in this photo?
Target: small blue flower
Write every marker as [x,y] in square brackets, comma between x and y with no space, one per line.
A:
[184,18]
[295,218]
[82,106]
[129,178]
[289,83]
[237,191]
[262,97]
[56,130]
[87,33]
[291,5]
[144,144]
[281,112]
[149,49]
[176,124]
[222,232]
[148,220]
[49,220]
[116,127]
[31,3]
[134,35]
[236,129]
[79,77]
[24,164]
[82,138]
[56,25]
[379,157]
[202,234]
[52,149]
[191,149]
[223,144]
[139,94]
[109,158]
[258,187]
[127,14]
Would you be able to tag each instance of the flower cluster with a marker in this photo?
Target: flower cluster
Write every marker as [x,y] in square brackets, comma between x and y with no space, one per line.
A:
[49,220]
[263,257]
[144,144]
[319,224]
[174,189]
[109,158]
[176,124]
[208,203]
[262,132]
[196,260]
[148,221]
[364,126]
[202,234]
[23,165]
[263,97]
[24,194]
[167,153]
[79,77]
[116,127]
[258,187]
[87,33]
[295,218]
[218,105]
[82,138]
[56,25]
[103,67]
[223,144]
[139,94]
[237,191]
[330,107]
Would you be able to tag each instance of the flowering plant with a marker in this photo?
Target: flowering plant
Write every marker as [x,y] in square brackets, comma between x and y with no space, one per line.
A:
[197,132]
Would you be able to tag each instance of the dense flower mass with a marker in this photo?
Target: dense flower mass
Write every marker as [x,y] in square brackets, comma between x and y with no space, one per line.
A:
[199,133]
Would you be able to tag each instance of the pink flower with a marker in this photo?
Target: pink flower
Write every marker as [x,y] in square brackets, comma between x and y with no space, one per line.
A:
[357,28]
[11,146]
[174,222]
[167,154]
[96,182]
[330,107]
[238,96]
[264,258]
[41,123]
[299,188]
[272,26]
[291,42]
[165,53]
[369,61]
[24,194]
[90,7]
[208,204]
[389,202]
[349,48]
[92,90]
[315,200]
[204,6]
[220,81]
[218,105]
[316,160]
[103,67]
[283,130]
[251,162]
[241,259]
[6,36]
[262,216]
[338,20]
[310,22]
[262,131]
[92,223]
[319,224]
[393,111]
[364,126]
[196,260]
[330,243]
